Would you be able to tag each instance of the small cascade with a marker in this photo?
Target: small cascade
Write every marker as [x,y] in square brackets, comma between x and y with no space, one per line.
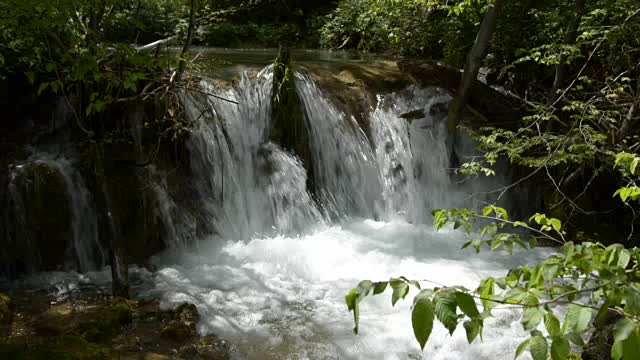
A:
[285,185]
[344,163]
[409,133]
[41,215]
[180,225]
[87,249]
[247,185]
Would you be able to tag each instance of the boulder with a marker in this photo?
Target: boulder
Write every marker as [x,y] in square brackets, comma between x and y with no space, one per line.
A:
[182,325]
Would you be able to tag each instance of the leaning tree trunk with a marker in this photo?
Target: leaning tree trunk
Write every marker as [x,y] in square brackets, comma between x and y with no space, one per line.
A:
[570,36]
[474,62]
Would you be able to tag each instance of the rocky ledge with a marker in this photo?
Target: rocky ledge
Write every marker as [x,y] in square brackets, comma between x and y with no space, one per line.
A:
[99,327]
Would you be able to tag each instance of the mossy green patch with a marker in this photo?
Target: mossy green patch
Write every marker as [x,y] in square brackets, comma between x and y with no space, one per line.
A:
[109,320]
[5,310]
[289,129]
[61,348]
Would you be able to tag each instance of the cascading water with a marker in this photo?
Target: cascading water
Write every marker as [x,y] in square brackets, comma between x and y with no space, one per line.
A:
[180,225]
[85,251]
[272,276]
[279,295]
[248,185]
[344,162]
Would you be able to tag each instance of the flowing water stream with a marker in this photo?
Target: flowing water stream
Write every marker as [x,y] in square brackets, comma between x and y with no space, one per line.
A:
[273,274]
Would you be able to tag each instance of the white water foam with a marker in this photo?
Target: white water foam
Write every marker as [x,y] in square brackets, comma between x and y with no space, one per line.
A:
[283,298]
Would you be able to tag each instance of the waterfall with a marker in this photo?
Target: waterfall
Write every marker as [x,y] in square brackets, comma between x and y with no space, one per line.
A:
[84,252]
[179,224]
[412,153]
[87,249]
[247,184]
[275,259]
[250,186]
[344,162]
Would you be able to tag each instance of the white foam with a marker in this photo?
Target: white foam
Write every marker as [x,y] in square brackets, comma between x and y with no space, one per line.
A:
[283,297]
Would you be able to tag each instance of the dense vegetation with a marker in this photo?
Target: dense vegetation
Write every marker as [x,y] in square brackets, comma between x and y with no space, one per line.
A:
[574,64]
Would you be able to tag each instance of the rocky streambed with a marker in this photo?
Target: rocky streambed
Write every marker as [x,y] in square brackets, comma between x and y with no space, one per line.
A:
[91,325]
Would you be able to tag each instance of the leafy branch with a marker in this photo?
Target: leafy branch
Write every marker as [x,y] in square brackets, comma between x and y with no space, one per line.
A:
[584,277]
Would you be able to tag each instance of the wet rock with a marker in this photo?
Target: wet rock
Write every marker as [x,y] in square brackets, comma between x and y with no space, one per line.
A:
[413,115]
[57,320]
[183,324]
[488,105]
[5,309]
[90,325]
[154,356]
[66,347]
[109,320]
[354,87]
[210,348]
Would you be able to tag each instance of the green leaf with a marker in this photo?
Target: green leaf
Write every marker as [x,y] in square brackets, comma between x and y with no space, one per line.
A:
[560,348]
[380,287]
[616,350]
[486,291]
[43,87]
[623,258]
[531,318]
[549,271]
[473,329]
[577,319]
[502,213]
[363,289]
[30,75]
[422,320]
[522,347]
[467,305]
[538,348]
[352,304]
[400,291]
[556,224]
[552,324]
[487,210]
[623,329]
[634,165]
[576,339]
[631,346]
[445,309]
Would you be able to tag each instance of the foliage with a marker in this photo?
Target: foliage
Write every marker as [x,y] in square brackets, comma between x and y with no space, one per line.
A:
[75,50]
[416,27]
[266,23]
[628,165]
[577,123]
[584,277]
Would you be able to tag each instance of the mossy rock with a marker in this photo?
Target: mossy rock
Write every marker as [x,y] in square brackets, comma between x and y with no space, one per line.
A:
[61,348]
[109,320]
[52,216]
[5,309]
[289,128]
[37,228]
[154,356]
[183,324]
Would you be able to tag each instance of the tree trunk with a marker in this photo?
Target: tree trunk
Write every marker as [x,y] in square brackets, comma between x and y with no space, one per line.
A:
[474,62]
[570,36]
[187,43]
